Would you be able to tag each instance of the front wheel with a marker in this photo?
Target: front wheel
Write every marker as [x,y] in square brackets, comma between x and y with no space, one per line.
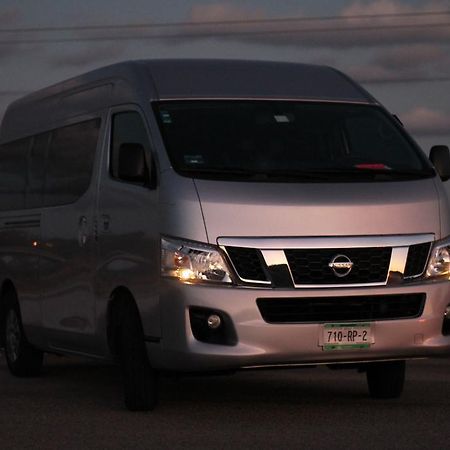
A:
[23,359]
[386,379]
[139,378]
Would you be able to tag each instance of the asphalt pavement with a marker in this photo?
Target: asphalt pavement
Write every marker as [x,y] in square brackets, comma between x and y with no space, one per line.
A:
[77,404]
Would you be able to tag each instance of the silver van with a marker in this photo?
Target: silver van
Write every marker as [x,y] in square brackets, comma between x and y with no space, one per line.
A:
[216,215]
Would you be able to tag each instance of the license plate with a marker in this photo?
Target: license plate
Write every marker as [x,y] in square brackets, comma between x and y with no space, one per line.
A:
[344,336]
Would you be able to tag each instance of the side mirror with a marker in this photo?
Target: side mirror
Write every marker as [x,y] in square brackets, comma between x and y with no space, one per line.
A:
[440,158]
[132,165]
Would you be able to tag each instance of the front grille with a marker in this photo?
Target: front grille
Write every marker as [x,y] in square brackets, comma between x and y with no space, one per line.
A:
[417,258]
[310,266]
[247,262]
[341,309]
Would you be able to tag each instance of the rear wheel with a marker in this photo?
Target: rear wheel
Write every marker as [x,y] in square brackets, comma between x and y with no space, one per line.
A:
[386,379]
[139,378]
[23,359]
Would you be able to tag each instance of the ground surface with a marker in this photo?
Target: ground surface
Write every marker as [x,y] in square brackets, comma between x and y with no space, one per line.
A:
[77,405]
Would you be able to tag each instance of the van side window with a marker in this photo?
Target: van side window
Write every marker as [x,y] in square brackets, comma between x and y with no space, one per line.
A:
[13,174]
[36,171]
[128,129]
[70,161]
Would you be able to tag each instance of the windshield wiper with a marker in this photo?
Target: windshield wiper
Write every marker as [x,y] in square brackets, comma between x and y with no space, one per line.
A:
[340,174]
[392,173]
[257,174]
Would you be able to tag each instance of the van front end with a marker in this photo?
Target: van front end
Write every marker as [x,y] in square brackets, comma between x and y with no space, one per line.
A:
[247,324]
[321,239]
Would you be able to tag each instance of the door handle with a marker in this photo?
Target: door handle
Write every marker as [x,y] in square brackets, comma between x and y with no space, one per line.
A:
[106,222]
[82,231]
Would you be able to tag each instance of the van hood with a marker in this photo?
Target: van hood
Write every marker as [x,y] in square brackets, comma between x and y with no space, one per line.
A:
[253,209]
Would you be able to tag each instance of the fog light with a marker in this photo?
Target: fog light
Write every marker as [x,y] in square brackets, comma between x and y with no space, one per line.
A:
[214,321]
[212,326]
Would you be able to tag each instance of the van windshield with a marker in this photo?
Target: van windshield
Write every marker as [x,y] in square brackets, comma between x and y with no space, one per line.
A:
[287,141]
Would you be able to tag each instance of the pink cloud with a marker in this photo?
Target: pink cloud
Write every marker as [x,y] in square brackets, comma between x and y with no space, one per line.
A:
[379,7]
[9,16]
[408,56]
[217,12]
[373,73]
[404,63]
[426,121]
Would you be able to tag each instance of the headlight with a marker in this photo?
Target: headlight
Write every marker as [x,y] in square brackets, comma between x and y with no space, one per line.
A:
[439,261]
[192,261]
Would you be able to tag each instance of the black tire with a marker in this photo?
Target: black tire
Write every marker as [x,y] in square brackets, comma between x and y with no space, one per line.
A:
[23,359]
[139,378]
[386,379]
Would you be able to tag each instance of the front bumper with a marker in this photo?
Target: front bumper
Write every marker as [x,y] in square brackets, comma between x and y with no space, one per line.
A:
[264,344]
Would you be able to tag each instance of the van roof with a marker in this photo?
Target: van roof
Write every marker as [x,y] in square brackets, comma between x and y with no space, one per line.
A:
[167,79]
[252,79]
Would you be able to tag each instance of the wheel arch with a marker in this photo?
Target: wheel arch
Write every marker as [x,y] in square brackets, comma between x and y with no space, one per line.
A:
[120,297]
[7,287]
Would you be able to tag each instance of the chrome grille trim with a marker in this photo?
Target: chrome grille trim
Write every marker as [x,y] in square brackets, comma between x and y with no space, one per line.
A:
[272,250]
[244,280]
[281,243]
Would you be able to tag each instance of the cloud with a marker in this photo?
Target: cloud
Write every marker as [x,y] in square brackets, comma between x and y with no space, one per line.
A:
[404,63]
[217,12]
[8,50]
[378,7]
[424,121]
[348,30]
[9,16]
[80,57]
[414,56]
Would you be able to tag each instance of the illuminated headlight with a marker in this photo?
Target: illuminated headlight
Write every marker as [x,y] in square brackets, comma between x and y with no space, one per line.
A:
[192,261]
[439,261]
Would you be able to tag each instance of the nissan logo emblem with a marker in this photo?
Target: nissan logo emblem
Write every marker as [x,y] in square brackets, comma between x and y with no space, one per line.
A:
[341,265]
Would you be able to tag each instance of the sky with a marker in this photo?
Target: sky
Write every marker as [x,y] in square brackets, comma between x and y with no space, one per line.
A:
[399,50]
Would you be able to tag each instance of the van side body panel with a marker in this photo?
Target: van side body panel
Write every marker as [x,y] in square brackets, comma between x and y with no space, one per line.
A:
[66,272]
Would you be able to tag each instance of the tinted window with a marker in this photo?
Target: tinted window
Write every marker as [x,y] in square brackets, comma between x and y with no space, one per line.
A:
[127,128]
[369,137]
[36,171]
[13,174]
[69,162]
[287,141]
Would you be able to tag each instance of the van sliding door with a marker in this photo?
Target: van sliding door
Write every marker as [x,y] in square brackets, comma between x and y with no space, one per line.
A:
[68,255]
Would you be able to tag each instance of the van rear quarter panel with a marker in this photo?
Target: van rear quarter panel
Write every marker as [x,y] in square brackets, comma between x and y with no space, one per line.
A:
[20,235]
